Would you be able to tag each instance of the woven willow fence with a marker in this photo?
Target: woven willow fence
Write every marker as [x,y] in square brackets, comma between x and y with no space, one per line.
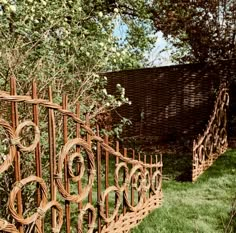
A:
[168,103]
[213,142]
[63,176]
[182,106]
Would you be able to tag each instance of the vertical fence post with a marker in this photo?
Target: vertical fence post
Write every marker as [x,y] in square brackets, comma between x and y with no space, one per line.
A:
[161,162]
[37,150]
[124,204]
[52,154]
[132,181]
[150,190]
[14,116]
[79,185]
[99,181]
[117,162]
[144,171]
[139,159]
[106,175]
[90,198]
[156,161]
[67,182]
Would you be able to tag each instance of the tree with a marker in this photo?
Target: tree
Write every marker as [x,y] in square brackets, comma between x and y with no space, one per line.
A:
[200,30]
[65,44]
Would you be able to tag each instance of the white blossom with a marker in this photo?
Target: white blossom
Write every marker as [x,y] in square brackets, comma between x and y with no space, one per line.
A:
[119,103]
[101,44]
[100,14]
[4,1]
[104,91]
[113,49]
[12,8]
[44,3]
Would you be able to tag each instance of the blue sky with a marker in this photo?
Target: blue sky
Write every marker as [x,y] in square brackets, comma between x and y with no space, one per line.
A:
[158,57]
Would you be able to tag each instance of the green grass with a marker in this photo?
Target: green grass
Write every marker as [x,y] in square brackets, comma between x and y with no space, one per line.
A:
[201,207]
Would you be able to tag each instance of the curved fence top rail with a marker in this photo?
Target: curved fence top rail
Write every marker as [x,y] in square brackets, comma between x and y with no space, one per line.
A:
[5,96]
[222,96]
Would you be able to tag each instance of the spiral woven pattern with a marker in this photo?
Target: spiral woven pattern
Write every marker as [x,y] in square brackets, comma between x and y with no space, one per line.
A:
[36,139]
[18,186]
[213,142]
[72,160]
[7,227]
[12,150]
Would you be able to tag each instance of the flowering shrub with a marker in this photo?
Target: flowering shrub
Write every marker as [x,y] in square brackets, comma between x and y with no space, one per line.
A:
[64,44]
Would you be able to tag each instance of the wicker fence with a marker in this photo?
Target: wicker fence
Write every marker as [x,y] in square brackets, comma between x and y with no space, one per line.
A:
[174,105]
[59,175]
[213,141]
[171,102]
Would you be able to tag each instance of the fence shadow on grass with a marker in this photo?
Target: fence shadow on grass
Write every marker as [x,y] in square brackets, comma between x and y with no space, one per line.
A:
[177,167]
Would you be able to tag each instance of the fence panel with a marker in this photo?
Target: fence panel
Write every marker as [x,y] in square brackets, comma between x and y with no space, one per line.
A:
[59,175]
[213,141]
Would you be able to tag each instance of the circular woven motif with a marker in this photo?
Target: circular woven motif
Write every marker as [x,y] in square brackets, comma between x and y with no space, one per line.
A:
[12,150]
[36,136]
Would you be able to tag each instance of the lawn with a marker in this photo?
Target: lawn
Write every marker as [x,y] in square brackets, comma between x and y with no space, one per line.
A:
[206,206]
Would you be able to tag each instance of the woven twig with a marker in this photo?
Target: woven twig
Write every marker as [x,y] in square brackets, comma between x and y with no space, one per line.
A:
[131,219]
[213,142]
[92,224]
[58,176]
[117,205]
[57,206]
[18,186]
[80,160]
[117,178]
[12,150]
[36,137]
[7,227]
